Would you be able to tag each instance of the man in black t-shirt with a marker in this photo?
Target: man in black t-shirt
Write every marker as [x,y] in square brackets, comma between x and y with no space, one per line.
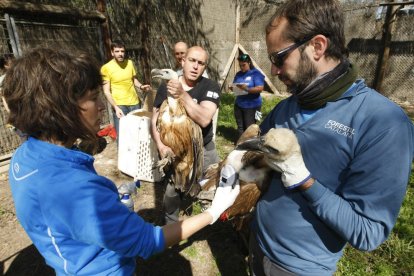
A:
[201,98]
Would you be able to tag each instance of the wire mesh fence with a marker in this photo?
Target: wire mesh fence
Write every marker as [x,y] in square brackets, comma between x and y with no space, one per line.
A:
[211,24]
[35,31]
[363,31]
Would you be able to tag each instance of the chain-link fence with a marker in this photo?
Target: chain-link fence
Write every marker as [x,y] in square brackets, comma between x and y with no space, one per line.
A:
[150,29]
[20,32]
[8,139]
[363,31]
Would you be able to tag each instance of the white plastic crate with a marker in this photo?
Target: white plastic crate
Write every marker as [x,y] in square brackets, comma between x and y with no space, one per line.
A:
[137,152]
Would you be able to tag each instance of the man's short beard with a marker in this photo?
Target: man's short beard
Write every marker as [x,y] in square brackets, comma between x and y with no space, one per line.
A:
[305,74]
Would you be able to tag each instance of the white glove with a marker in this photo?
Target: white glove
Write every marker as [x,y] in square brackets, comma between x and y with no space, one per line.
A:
[286,157]
[293,169]
[226,192]
[258,115]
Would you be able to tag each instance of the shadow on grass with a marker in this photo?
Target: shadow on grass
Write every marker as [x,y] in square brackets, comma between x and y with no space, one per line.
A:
[225,244]
[228,133]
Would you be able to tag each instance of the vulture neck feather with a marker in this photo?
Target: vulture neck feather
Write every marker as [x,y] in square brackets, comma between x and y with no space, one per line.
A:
[175,111]
[172,103]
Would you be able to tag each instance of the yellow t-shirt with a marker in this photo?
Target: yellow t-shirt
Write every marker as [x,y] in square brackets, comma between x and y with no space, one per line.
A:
[120,77]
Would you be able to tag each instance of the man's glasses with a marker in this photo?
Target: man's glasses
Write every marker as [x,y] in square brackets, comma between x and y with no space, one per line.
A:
[278,58]
[193,60]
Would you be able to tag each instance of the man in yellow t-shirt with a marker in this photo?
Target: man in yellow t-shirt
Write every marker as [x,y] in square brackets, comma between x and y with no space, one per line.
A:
[119,76]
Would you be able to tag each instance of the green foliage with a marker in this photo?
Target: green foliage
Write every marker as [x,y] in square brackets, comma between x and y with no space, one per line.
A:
[393,257]
[197,208]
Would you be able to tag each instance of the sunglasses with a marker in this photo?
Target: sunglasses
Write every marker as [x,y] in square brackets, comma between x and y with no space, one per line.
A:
[244,58]
[278,58]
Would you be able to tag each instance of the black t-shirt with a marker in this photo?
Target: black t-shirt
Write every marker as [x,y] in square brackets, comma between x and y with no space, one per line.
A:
[205,90]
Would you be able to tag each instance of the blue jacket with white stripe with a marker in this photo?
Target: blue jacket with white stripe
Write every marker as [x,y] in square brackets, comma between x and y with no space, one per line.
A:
[74,216]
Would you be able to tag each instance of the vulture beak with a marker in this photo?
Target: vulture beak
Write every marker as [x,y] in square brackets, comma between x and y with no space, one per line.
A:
[165,74]
[256,144]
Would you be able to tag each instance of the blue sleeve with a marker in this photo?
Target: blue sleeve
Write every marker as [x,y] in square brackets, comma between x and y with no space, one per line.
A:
[258,78]
[95,215]
[366,209]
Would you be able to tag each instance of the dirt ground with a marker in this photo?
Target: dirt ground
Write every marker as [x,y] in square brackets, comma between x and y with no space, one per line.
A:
[216,250]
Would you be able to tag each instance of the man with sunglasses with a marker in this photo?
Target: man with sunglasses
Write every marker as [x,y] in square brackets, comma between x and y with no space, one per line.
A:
[348,181]
[200,97]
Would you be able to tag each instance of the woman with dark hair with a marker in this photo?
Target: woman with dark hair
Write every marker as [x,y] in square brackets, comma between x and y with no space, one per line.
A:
[249,102]
[74,216]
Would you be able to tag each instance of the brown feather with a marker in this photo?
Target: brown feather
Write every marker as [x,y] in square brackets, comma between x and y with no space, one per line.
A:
[179,132]
[250,192]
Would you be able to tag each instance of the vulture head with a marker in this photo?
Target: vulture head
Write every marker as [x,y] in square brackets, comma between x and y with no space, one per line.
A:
[277,145]
[164,74]
[253,161]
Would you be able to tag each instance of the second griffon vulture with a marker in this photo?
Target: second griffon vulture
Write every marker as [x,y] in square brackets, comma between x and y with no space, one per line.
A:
[253,160]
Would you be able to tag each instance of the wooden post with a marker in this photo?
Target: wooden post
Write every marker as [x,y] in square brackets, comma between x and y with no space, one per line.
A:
[11,28]
[106,35]
[227,68]
[267,80]
[384,55]
[236,69]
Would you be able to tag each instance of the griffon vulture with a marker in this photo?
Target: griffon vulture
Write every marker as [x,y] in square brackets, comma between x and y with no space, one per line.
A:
[184,137]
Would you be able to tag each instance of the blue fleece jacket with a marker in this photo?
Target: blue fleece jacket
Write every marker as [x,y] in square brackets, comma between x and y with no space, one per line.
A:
[74,216]
[359,149]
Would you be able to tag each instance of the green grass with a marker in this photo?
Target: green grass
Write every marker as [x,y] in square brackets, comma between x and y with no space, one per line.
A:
[394,257]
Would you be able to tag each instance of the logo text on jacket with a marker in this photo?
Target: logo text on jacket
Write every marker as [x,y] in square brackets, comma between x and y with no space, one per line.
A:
[340,129]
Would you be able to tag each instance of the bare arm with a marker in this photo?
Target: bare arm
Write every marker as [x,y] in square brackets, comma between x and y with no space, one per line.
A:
[253,90]
[201,113]
[107,92]
[143,87]
[174,233]
[225,196]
